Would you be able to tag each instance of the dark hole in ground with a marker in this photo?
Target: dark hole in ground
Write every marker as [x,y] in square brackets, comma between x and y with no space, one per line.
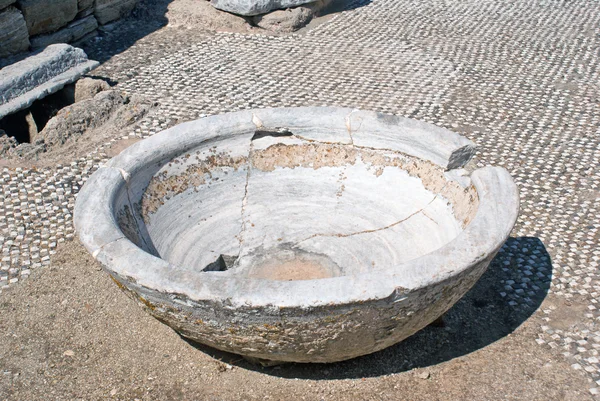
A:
[44,109]
[19,125]
[24,125]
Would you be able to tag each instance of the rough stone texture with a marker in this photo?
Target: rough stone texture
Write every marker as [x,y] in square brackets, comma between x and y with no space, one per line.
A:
[7,143]
[255,220]
[71,33]
[87,88]
[110,10]
[31,124]
[291,19]
[84,4]
[284,20]
[44,16]
[6,3]
[73,121]
[255,7]
[40,75]
[77,119]
[14,37]
[194,14]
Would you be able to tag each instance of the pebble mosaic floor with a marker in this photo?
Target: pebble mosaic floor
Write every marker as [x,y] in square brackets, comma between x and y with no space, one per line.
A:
[520,78]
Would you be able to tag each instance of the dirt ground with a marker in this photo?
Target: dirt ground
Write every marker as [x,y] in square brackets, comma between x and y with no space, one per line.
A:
[69,333]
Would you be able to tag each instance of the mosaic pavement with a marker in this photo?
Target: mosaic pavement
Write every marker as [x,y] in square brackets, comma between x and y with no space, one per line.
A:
[520,79]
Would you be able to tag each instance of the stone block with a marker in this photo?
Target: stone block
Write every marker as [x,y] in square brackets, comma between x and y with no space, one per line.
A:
[71,33]
[6,3]
[40,75]
[110,10]
[84,8]
[291,19]
[87,88]
[288,20]
[13,32]
[44,16]
[255,7]
[84,4]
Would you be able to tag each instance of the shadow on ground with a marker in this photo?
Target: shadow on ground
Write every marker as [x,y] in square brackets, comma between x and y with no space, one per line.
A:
[151,15]
[482,317]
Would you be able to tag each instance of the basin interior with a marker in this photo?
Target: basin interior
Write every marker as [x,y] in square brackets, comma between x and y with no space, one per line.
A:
[278,207]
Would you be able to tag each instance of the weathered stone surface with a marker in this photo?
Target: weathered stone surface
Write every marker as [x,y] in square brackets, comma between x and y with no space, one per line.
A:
[87,88]
[84,4]
[291,19]
[255,7]
[84,13]
[288,20]
[40,75]
[71,33]
[75,120]
[281,238]
[6,3]
[14,37]
[44,16]
[110,10]
[7,144]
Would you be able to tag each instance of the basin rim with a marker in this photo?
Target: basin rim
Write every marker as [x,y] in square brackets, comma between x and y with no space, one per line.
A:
[96,224]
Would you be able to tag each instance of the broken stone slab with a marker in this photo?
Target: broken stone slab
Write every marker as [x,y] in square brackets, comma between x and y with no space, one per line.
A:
[6,3]
[14,37]
[71,33]
[110,10]
[274,234]
[255,7]
[44,16]
[41,74]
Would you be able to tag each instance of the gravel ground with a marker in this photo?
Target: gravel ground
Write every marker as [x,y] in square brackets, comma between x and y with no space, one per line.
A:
[69,333]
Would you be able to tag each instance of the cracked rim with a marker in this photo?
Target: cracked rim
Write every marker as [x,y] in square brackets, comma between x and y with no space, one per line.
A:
[130,172]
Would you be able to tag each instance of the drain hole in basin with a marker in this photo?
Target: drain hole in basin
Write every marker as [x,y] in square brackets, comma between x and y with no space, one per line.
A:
[223,262]
[288,264]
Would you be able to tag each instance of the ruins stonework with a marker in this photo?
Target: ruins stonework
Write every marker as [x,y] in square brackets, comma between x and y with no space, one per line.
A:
[34,24]
[297,235]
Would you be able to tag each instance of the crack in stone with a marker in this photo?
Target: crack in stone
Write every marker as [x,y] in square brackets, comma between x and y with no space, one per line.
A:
[422,210]
[99,249]
[349,126]
[240,236]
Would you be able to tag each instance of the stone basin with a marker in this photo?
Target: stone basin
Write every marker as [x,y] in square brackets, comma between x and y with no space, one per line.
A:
[300,234]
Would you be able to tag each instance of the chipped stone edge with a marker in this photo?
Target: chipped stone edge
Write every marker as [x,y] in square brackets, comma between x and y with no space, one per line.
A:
[47,88]
[95,221]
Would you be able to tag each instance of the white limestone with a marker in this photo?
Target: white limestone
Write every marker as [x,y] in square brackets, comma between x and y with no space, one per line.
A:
[297,234]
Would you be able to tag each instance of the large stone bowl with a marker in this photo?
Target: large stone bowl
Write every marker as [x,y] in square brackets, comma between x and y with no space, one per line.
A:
[300,234]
